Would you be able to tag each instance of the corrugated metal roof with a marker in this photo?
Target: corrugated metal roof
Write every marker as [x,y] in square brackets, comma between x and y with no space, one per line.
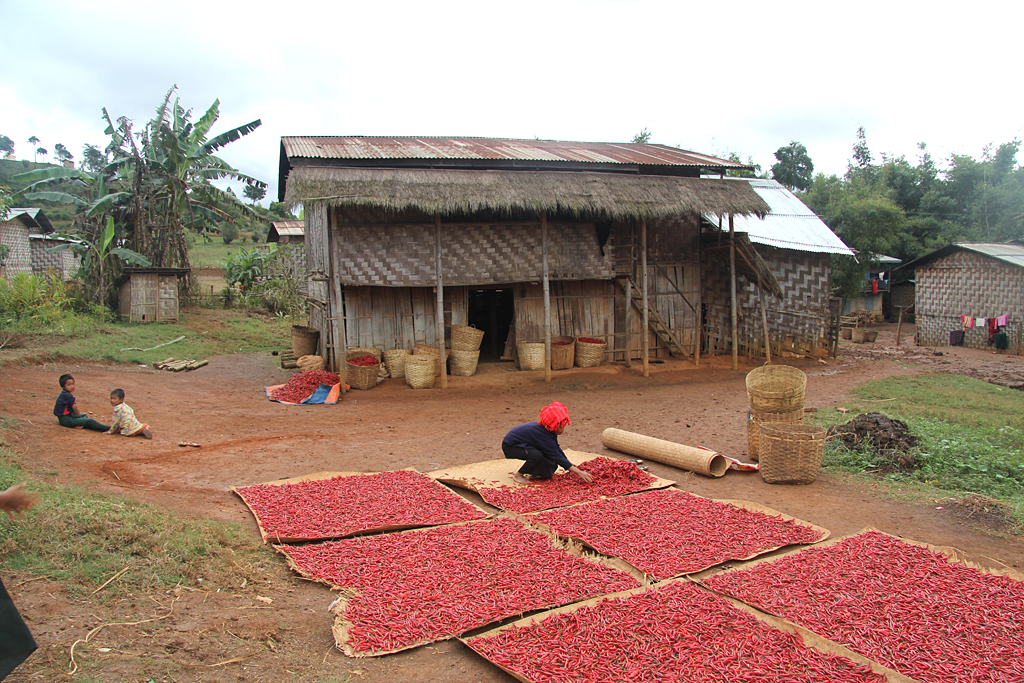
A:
[789,225]
[1010,252]
[360,147]
[33,217]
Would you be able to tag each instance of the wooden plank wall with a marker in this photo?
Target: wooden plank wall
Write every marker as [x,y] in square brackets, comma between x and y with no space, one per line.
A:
[400,317]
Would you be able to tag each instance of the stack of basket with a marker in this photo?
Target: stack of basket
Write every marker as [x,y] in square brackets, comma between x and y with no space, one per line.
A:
[465,350]
[789,451]
[362,376]
[435,353]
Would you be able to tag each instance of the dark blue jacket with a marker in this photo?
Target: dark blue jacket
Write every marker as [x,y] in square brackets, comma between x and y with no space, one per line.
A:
[63,405]
[533,435]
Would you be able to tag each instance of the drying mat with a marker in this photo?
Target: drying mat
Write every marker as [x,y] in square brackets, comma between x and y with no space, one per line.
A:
[675,631]
[492,479]
[670,532]
[905,605]
[415,587]
[325,394]
[327,505]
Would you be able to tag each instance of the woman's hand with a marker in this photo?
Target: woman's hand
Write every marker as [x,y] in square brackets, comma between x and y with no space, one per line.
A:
[585,476]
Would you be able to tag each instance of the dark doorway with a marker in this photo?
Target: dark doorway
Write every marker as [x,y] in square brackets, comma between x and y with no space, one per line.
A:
[491,310]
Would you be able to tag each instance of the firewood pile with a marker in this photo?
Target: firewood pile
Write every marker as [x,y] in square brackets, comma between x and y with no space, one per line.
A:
[179,365]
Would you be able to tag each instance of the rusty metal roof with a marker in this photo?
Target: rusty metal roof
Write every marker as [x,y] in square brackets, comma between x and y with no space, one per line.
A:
[360,147]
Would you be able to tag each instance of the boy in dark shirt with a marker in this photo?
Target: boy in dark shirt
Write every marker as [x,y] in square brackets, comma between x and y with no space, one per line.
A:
[537,444]
[66,408]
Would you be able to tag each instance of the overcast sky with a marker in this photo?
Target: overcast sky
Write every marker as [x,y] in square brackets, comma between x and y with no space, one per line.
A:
[713,77]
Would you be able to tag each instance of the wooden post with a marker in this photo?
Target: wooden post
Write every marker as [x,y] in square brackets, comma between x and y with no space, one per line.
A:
[732,291]
[338,319]
[629,320]
[899,327]
[440,305]
[547,296]
[643,273]
[764,323]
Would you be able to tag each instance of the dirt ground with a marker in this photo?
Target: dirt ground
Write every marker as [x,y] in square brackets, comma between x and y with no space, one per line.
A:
[231,636]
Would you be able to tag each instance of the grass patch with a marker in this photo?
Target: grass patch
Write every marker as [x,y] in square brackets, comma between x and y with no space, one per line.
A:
[203,254]
[972,440]
[81,539]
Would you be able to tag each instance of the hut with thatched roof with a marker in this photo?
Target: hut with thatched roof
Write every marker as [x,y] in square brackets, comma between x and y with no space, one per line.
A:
[524,239]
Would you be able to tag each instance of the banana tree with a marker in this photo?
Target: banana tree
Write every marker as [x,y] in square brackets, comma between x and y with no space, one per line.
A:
[98,256]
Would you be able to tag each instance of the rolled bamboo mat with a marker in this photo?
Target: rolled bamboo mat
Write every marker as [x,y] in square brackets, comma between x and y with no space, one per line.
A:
[699,460]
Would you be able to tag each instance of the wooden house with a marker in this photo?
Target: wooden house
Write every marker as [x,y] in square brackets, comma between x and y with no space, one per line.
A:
[528,239]
[147,295]
[976,280]
[15,228]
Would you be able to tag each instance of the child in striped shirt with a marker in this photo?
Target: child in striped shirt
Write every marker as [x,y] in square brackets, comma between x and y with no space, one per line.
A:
[124,418]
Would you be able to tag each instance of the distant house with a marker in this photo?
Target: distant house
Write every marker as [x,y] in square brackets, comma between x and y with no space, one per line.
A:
[979,280]
[290,237]
[874,289]
[15,228]
[64,263]
[148,295]
[797,247]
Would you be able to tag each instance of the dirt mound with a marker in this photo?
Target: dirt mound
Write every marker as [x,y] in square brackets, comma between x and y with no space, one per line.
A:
[889,439]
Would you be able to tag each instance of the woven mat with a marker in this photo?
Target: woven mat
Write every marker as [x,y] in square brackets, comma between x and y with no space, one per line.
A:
[497,473]
[343,511]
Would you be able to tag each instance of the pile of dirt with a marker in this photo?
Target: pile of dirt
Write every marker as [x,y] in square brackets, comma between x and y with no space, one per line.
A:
[889,439]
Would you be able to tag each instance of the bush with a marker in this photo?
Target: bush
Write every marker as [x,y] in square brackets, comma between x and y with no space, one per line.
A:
[228,232]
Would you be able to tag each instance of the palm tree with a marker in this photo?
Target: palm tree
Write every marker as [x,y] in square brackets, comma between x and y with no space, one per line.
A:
[33,141]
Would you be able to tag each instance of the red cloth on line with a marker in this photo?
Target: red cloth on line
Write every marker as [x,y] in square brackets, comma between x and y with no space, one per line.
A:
[874,286]
[554,416]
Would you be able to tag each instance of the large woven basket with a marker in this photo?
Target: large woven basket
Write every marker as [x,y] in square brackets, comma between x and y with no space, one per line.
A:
[419,371]
[589,355]
[360,376]
[563,352]
[435,352]
[354,351]
[755,419]
[463,363]
[861,335]
[776,388]
[304,340]
[394,361]
[790,453]
[531,355]
[466,338]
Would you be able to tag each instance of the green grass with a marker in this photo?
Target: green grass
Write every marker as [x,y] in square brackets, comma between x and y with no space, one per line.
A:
[81,539]
[214,253]
[972,439]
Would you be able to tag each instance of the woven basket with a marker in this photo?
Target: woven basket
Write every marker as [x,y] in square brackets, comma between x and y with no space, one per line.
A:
[360,376]
[531,355]
[776,388]
[562,356]
[790,453]
[419,371]
[589,355]
[754,419]
[363,351]
[394,361]
[304,340]
[846,333]
[427,350]
[463,363]
[466,338]
[862,334]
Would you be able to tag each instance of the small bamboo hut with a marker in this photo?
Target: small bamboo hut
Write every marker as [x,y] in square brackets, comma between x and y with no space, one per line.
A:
[16,226]
[147,295]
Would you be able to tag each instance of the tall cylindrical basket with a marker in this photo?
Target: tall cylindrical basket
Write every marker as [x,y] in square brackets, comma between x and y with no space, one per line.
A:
[360,376]
[427,350]
[790,453]
[304,340]
[776,388]
[531,355]
[463,363]
[563,352]
[419,371]
[755,419]
[466,338]
[589,352]
[394,361]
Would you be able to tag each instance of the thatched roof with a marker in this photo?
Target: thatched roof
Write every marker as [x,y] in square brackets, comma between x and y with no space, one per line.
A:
[447,192]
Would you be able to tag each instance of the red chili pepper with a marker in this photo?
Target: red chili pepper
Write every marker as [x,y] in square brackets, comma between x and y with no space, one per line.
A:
[590,340]
[364,361]
[301,385]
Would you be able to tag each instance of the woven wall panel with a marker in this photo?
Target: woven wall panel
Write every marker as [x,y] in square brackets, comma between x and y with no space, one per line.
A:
[14,236]
[967,283]
[471,254]
[167,293]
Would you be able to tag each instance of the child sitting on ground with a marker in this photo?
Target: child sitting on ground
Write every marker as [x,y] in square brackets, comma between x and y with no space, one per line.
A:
[537,444]
[66,408]
[124,418]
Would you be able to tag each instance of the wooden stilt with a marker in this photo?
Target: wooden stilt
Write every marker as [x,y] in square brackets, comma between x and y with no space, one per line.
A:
[440,305]
[643,272]
[732,293]
[547,297]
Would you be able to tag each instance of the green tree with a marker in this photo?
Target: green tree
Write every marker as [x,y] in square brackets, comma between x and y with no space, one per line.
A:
[254,193]
[642,138]
[93,158]
[34,141]
[794,168]
[6,145]
[62,153]
[753,172]
[42,151]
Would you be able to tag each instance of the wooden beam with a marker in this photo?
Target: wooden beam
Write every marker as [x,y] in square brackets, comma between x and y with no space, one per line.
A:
[337,360]
[764,324]
[629,321]
[643,268]
[440,305]
[732,293]
[547,296]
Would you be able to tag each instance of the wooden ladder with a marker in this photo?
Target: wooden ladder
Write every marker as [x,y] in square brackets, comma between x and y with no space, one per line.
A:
[654,319]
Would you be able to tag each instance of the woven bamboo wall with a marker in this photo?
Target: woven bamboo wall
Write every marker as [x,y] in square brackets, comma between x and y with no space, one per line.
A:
[798,321]
[14,236]
[968,283]
[64,263]
[167,298]
[400,317]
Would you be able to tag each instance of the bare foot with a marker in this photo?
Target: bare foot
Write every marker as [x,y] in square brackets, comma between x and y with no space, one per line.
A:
[520,478]
[146,433]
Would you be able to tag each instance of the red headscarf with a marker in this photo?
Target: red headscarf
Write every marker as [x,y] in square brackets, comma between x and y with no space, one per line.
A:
[554,416]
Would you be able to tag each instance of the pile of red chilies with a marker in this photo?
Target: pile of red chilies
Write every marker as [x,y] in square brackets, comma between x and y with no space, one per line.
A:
[669,532]
[590,340]
[301,385]
[426,585]
[901,605]
[611,478]
[364,361]
[562,343]
[331,508]
[677,632]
